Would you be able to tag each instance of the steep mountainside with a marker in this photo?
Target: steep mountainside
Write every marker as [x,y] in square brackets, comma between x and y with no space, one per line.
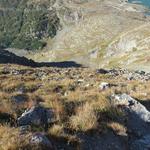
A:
[50,100]
[101,34]
[25,23]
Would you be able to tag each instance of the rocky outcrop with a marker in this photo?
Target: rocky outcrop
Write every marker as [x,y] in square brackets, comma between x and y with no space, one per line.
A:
[138,122]
[133,106]
[128,74]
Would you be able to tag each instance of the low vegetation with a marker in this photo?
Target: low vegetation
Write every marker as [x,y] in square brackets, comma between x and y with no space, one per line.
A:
[79,104]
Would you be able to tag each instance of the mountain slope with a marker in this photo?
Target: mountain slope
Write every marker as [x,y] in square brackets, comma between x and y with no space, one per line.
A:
[100,34]
[97,33]
[25,23]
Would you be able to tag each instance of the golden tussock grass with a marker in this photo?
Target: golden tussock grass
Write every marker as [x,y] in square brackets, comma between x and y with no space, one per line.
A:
[118,128]
[79,105]
[12,140]
[85,118]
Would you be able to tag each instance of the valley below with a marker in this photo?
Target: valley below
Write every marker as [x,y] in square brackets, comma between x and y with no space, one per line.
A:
[98,34]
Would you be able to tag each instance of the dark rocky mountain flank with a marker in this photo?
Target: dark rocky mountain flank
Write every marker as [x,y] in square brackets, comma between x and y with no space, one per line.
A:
[8,57]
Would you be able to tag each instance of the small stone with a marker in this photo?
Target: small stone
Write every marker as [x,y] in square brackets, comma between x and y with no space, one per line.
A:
[104,85]
[42,140]
[24,129]
[80,81]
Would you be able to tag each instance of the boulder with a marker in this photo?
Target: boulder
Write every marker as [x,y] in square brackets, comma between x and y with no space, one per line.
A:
[138,122]
[37,115]
[132,105]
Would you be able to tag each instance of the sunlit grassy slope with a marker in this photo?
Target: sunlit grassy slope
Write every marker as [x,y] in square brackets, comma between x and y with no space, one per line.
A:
[100,34]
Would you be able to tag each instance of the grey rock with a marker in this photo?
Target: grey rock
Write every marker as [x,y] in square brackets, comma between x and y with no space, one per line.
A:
[141,144]
[19,99]
[129,75]
[24,129]
[15,72]
[104,85]
[41,74]
[80,81]
[138,122]
[133,106]
[37,115]
[140,72]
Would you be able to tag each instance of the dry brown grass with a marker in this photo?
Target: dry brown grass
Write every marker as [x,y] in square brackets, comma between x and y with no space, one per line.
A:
[12,140]
[85,118]
[8,138]
[78,106]
[56,130]
[118,128]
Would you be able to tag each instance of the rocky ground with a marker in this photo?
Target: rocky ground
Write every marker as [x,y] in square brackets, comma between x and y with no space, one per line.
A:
[73,108]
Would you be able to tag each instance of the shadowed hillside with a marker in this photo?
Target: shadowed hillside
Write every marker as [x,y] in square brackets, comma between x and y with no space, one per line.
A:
[7,57]
[10,58]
